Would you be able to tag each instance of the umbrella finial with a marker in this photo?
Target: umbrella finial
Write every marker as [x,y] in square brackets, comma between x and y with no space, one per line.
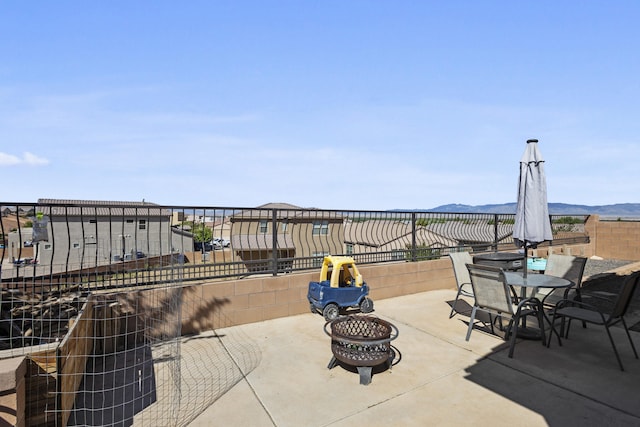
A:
[531,140]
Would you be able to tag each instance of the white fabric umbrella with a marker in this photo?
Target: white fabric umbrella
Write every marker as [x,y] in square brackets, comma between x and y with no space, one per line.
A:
[532,224]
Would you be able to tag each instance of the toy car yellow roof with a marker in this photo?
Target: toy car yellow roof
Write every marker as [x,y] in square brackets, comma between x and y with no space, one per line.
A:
[344,271]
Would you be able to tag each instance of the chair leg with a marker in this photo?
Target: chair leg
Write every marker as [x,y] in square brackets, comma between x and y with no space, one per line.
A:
[500,325]
[539,308]
[615,350]
[552,330]
[453,307]
[566,332]
[471,320]
[629,336]
[579,299]
[512,330]
[491,321]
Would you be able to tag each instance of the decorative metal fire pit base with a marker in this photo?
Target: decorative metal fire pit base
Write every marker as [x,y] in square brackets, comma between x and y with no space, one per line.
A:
[362,342]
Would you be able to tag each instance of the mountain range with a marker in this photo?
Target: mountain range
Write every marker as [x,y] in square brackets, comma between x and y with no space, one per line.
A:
[622,210]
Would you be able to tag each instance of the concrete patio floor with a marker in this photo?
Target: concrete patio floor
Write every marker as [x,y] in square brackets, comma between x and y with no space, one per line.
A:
[438,378]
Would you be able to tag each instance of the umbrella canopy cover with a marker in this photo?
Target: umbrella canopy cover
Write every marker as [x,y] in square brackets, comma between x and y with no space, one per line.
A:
[532,223]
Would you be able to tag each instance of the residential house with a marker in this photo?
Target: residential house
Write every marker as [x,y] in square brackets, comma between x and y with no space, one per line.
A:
[216,220]
[308,234]
[393,237]
[474,234]
[84,234]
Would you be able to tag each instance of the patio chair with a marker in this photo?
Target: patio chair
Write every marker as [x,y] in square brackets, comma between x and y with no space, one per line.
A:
[460,261]
[494,296]
[569,309]
[565,266]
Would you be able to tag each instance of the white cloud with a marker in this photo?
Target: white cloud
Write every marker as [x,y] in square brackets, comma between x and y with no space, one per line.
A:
[33,160]
[8,159]
[27,159]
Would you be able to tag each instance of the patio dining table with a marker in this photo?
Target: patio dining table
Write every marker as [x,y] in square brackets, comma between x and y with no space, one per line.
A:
[533,282]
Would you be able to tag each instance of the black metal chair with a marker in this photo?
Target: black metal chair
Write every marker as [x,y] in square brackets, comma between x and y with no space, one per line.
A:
[568,267]
[571,309]
[494,296]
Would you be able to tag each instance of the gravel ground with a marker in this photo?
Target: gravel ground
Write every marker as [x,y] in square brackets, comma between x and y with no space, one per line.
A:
[596,266]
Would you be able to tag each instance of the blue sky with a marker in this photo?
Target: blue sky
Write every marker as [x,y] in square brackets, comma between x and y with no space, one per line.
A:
[357,104]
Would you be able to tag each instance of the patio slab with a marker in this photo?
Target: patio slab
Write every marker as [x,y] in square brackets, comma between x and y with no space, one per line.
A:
[438,378]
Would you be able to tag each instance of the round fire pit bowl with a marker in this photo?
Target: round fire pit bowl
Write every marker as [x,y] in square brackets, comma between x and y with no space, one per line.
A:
[361,341]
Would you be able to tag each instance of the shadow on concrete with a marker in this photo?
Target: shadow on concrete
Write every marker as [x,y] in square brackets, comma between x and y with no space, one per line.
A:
[115,387]
[571,374]
[461,307]
[564,384]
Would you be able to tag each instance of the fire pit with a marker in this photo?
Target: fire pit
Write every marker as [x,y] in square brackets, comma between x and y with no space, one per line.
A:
[363,342]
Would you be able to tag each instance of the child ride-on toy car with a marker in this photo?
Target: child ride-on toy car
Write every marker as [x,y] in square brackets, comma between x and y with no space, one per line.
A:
[340,286]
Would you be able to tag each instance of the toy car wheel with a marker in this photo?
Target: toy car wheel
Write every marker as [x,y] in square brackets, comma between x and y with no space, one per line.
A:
[312,308]
[330,312]
[366,305]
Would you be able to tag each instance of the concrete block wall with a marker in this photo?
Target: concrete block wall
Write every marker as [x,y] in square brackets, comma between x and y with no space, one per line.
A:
[12,391]
[607,239]
[582,249]
[234,302]
[617,239]
[218,304]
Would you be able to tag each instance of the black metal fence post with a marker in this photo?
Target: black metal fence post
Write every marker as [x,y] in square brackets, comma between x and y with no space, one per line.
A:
[495,233]
[274,241]
[414,245]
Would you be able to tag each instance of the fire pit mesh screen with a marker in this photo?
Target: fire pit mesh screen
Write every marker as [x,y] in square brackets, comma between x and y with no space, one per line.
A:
[361,340]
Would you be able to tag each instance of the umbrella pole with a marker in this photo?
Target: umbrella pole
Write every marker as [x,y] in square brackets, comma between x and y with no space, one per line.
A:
[526,253]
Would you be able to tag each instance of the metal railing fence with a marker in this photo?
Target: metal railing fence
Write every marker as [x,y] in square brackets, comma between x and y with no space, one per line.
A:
[94,245]
[94,293]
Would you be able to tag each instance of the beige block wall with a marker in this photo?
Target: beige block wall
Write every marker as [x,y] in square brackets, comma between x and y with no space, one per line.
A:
[219,304]
[607,239]
[583,249]
[12,391]
[617,239]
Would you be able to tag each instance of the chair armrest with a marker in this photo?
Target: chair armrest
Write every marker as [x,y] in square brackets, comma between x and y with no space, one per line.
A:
[599,294]
[580,308]
[575,303]
[606,298]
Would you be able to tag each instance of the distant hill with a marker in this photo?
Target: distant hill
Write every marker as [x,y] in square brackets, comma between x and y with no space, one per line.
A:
[623,210]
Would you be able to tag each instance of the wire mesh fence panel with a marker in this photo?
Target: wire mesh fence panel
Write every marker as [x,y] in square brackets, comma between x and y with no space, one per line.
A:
[126,360]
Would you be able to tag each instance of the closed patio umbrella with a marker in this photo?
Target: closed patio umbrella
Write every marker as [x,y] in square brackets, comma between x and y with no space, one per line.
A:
[532,223]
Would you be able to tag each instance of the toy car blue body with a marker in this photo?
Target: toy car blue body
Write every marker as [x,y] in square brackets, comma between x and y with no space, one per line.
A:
[340,287]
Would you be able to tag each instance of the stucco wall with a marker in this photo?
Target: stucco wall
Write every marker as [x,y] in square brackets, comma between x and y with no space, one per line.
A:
[233,302]
[607,239]
[617,239]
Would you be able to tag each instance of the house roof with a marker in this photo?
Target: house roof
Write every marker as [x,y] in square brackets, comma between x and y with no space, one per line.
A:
[58,207]
[479,231]
[285,211]
[260,241]
[377,233]
[278,206]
